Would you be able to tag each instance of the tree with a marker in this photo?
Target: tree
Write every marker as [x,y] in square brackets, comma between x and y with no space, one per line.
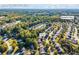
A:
[35,44]
[27,43]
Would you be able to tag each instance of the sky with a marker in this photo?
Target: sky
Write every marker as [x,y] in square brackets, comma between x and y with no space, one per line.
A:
[39,6]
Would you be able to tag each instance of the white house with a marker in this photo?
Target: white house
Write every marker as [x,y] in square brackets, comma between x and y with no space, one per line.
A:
[42,35]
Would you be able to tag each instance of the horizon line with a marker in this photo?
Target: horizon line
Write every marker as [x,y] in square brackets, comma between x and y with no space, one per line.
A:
[39,6]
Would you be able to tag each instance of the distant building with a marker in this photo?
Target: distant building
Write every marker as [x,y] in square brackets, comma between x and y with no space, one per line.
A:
[18,22]
[1,17]
[67,17]
[39,26]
